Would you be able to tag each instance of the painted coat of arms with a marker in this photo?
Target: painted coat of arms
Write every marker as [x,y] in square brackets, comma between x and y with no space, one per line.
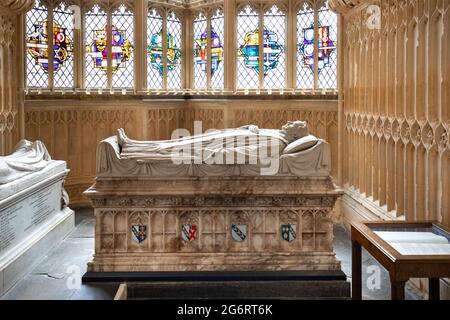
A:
[288,232]
[188,232]
[239,232]
[139,233]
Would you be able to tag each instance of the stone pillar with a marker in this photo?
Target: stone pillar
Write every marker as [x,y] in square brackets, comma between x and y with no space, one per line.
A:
[11,84]
[229,12]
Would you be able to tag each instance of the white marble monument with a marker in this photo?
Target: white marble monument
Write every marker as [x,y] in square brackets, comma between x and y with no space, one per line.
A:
[228,200]
[34,212]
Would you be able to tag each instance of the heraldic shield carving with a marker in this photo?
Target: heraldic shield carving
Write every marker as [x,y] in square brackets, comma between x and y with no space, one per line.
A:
[188,232]
[239,232]
[139,233]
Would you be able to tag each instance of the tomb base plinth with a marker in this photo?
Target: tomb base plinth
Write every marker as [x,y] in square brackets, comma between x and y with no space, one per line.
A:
[33,219]
[213,224]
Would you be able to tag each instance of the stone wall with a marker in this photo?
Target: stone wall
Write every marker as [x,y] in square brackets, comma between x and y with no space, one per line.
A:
[397,118]
[11,82]
[396,112]
[71,128]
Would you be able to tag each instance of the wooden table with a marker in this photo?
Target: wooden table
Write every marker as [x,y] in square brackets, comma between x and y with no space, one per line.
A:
[400,267]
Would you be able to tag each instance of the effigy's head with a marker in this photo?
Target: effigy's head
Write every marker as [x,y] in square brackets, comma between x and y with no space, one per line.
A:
[295,130]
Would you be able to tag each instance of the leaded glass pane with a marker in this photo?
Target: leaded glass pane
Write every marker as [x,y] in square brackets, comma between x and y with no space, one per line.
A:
[96,58]
[122,60]
[305,48]
[274,49]
[200,52]
[217,50]
[63,42]
[37,46]
[154,50]
[327,48]
[173,52]
[248,48]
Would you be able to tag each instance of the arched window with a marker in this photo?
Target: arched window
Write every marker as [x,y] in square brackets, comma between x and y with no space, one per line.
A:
[63,44]
[173,51]
[316,59]
[265,45]
[164,56]
[37,58]
[327,48]
[122,63]
[274,49]
[105,67]
[305,46]
[49,68]
[201,51]
[217,50]
[209,50]
[248,48]
[155,69]
[261,53]
[96,42]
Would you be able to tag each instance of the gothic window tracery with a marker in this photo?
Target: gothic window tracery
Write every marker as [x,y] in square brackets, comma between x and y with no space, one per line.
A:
[316,60]
[96,48]
[164,50]
[103,55]
[209,50]
[37,44]
[122,38]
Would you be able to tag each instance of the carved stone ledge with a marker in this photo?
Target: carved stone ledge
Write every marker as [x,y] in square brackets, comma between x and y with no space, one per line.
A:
[188,223]
[14,7]
[420,133]
[214,201]
[345,6]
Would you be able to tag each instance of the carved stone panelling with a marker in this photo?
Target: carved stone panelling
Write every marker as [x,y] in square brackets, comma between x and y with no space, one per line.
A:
[209,230]
[397,119]
[72,131]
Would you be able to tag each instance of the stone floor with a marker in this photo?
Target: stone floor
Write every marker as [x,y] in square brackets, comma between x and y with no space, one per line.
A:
[57,275]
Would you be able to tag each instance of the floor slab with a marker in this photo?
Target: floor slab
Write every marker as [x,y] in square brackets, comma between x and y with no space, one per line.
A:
[58,275]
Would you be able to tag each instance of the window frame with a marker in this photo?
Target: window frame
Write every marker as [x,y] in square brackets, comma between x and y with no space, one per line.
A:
[208,14]
[316,7]
[109,11]
[186,15]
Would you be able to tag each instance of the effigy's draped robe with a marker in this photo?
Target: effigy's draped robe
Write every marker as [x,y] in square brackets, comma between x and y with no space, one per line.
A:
[29,157]
[247,151]
[242,142]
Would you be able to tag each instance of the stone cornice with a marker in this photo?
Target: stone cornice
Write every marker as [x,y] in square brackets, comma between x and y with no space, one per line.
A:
[345,6]
[16,6]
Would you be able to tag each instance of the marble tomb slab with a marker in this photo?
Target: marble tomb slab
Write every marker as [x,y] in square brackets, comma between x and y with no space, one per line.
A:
[34,212]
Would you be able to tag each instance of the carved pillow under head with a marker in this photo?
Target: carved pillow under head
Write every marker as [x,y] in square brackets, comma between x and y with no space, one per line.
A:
[301,144]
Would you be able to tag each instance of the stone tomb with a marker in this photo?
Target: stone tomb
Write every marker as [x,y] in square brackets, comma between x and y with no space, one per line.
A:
[156,214]
[34,215]
[213,223]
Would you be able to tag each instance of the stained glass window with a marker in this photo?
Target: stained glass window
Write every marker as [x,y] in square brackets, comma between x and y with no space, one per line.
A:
[217,50]
[96,59]
[248,48]
[208,41]
[122,62]
[154,50]
[327,48]
[201,52]
[37,46]
[63,43]
[305,36]
[173,51]
[108,41]
[274,49]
